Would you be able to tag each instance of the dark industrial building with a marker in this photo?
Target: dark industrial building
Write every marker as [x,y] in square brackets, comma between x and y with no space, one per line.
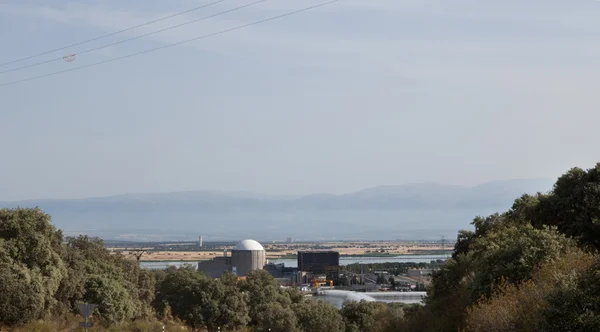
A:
[319,262]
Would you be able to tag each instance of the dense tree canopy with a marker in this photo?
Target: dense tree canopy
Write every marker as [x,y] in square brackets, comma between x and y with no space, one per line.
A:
[522,261]
[40,276]
[313,316]
[31,268]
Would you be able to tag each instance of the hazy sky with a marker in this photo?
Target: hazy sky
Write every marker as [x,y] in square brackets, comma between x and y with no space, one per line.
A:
[352,95]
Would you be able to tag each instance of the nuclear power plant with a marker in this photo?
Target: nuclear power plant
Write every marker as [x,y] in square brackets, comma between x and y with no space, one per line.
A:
[246,256]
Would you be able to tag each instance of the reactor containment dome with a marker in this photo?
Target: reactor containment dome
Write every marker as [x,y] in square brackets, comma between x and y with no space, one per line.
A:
[248,245]
[247,255]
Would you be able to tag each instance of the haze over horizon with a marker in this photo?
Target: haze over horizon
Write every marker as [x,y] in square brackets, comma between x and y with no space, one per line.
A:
[348,96]
[298,195]
[414,211]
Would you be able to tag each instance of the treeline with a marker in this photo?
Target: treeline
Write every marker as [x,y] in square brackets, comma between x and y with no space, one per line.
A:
[43,278]
[532,268]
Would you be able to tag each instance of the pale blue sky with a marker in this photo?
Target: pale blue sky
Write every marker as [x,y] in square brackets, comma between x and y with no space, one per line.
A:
[356,94]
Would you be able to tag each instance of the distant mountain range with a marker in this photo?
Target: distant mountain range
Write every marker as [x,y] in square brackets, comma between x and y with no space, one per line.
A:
[375,212]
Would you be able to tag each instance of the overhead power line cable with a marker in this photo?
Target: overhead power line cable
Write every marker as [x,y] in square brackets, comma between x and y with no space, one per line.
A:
[137,37]
[112,33]
[171,45]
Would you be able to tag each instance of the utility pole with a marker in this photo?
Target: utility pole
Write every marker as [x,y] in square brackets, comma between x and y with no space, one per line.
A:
[443,243]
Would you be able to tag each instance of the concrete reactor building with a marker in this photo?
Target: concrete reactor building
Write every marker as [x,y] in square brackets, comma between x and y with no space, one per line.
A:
[246,256]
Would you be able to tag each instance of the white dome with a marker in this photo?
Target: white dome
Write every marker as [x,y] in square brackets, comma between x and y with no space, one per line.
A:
[248,245]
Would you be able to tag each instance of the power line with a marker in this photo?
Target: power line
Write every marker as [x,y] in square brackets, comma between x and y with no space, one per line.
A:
[112,33]
[136,37]
[171,45]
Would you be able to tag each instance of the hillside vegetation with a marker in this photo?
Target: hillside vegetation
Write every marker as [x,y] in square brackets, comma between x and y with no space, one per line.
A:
[531,268]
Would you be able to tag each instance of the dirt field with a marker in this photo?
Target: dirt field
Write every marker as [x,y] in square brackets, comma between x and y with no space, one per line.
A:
[279,249]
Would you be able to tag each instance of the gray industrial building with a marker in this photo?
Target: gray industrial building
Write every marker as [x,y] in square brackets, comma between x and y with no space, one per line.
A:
[284,275]
[246,256]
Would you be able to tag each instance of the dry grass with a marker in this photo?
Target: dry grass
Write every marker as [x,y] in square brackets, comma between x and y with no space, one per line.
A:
[71,323]
[283,249]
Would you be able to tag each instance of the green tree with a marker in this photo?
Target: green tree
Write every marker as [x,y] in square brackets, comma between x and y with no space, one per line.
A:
[573,206]
[318,316]
[360,316]
[21,295]
[262,289]
[499,251]
[29,251]
[114,303]
[200,301]
[176,291]
[576,306]
[86,259]
[517,307]
[512,253]
[276,318]
[223,306]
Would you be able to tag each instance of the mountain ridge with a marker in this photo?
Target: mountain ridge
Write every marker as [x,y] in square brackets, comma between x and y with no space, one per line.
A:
[375,211]
[258,195]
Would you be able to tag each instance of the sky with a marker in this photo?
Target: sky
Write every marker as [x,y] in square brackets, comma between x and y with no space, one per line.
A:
[351,95]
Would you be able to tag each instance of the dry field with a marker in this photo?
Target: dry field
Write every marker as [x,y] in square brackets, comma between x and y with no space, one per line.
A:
[276,250]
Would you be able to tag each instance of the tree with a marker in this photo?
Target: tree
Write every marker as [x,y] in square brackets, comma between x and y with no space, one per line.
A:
[86,258]
[276,318]
[318,316]
[517,307]
[575,306]
[573,206]
[223,305]
[29,251]
[138,253]
[22,295]
[512,253]
[200,301]
[262,289]
[359,316]
[499,252]
[114,303]
[176,291]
